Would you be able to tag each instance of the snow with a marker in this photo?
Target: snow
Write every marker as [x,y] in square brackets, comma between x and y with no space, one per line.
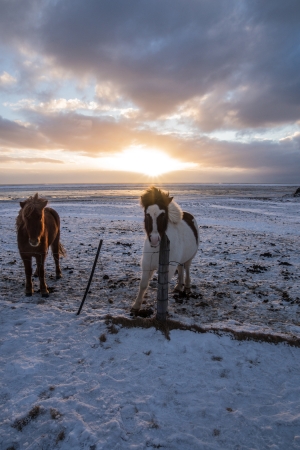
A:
[64,387]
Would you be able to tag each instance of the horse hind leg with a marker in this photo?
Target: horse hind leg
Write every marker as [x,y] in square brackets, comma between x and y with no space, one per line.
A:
[180,284]
[55,253]
[187,283]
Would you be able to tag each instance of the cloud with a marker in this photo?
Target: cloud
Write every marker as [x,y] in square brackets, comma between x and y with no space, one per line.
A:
[57,105]
[21,135]
[293,139]
[263,155]
[95,78]
[162,55]
[95,137]
[18,159]
[6,79]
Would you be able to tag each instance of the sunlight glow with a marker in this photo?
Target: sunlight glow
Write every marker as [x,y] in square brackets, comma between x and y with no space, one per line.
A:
[147,161]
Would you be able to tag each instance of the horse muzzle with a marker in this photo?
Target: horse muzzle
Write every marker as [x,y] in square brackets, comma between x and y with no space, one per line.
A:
[34,242]
[154,240]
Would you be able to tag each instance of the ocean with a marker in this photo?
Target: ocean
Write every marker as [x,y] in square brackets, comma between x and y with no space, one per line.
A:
[95,192]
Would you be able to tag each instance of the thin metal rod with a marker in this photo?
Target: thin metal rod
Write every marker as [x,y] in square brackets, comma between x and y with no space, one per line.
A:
[91,277]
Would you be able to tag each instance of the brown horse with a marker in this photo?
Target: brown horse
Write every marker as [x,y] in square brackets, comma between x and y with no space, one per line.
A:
[38,227]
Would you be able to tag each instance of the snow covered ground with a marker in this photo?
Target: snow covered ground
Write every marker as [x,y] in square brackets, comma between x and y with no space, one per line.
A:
[75,382]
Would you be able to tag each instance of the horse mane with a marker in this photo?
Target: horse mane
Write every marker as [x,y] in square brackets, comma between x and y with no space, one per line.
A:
[155,196]
[175,212]
[27,208]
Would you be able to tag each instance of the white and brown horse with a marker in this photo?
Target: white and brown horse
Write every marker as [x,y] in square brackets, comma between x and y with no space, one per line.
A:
[163,215]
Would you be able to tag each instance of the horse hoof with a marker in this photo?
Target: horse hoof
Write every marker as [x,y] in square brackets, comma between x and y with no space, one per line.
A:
[177,290]
[148,312]
[58,276]
[45,295]
[28,294]
[134,311]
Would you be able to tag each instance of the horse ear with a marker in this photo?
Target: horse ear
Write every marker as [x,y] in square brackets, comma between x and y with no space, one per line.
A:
[170,199]
[22,204]
[44,203]
[36,196]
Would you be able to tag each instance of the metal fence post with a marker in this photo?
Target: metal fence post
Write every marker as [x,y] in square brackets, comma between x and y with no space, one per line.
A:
[163,281]
[91,277]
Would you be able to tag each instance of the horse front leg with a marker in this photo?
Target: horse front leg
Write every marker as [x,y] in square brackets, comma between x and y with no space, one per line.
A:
[146,275]
[28,275]
[180,283]
[40,263]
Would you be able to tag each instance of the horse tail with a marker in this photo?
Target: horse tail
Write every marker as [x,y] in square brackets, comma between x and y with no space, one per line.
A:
[61,250]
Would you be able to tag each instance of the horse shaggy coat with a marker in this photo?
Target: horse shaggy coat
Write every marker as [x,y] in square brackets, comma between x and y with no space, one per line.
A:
[38,228]
[163,215]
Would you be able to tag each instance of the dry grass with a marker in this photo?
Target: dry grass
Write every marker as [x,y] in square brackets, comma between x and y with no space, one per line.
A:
[55,414]
[140,322]
[112,329]
[61,436]
[102,337]
[169,325]
[19,424]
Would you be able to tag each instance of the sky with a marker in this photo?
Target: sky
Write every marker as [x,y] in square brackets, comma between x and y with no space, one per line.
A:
[149,90]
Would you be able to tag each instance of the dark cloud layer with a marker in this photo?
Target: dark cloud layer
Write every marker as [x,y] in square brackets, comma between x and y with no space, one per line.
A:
[218,65]
[17,135]
[245,54]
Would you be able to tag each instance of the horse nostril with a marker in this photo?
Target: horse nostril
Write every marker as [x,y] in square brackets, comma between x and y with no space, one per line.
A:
[34,242]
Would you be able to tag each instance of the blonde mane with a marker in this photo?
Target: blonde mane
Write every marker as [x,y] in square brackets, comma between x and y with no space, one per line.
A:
[175,212]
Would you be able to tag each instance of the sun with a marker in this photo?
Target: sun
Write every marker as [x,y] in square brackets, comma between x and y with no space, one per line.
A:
[147,161]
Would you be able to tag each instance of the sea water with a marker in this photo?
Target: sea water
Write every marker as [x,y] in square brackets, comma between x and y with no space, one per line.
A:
[110,192]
